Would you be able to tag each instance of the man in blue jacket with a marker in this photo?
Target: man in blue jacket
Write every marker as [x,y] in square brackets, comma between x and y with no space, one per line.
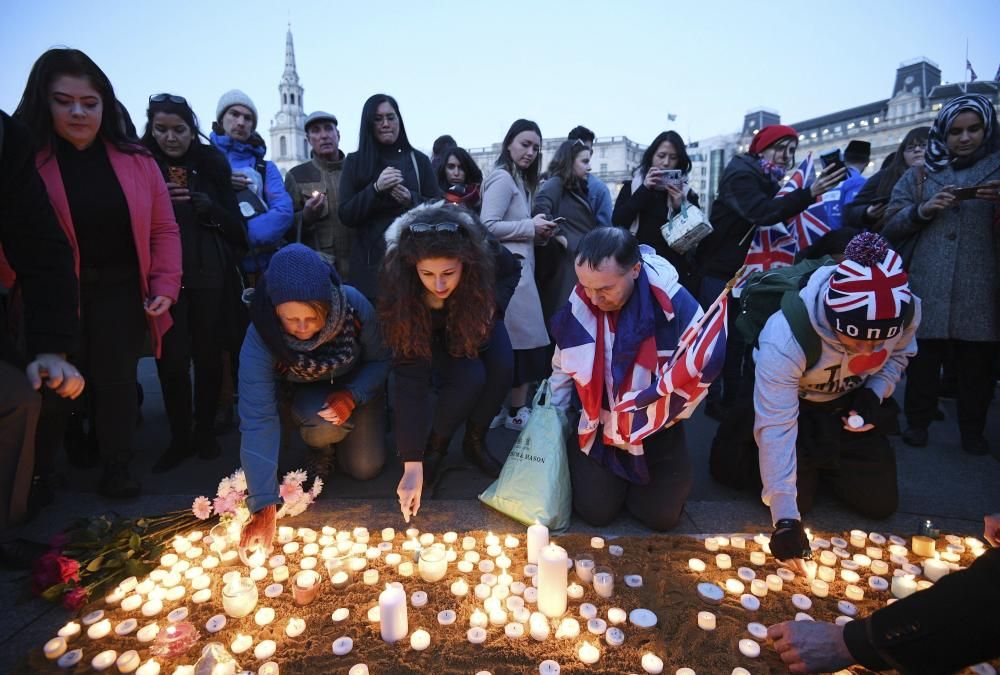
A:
[856,158]
[260,190]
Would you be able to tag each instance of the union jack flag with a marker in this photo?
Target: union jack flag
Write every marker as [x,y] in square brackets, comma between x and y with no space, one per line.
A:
[776,245]
[630,373]
[882,288]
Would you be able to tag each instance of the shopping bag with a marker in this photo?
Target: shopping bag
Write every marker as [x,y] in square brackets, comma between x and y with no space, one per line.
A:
[683,232]
[534,486]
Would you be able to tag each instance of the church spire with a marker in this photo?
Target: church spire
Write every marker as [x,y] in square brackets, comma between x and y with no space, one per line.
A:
[290,76]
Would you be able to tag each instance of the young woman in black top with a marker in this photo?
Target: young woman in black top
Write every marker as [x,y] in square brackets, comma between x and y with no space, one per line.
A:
[460,179]
[198,179]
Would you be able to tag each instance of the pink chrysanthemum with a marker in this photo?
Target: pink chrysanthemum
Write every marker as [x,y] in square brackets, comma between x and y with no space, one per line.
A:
[202,508]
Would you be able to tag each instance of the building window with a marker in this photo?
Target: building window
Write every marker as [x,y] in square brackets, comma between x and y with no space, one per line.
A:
[292,97]
[602,151]
[284,98]
[604,168]
[702,171]
[283,144]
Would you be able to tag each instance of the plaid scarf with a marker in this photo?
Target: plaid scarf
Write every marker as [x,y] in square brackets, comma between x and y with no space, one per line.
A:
[333,351]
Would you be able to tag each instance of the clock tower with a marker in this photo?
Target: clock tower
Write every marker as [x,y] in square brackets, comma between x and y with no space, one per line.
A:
[289,146]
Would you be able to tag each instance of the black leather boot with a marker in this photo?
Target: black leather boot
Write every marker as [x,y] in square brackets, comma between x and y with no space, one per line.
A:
[117,482]
[178,451]
[475,450]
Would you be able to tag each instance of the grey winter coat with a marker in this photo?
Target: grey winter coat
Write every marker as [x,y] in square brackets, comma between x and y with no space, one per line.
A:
[955,263]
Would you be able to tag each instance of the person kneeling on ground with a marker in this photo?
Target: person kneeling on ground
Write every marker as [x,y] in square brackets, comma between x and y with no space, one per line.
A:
[918,634]
[624,319]
[315,344]
[831,418]
[443,322]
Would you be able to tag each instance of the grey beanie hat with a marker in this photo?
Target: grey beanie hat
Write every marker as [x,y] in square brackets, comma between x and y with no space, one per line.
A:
[231,98]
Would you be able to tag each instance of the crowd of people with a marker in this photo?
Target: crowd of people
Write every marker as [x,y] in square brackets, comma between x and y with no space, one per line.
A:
[381,276]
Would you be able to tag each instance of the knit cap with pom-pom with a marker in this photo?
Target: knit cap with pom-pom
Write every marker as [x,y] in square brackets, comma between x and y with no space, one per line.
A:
[868,296]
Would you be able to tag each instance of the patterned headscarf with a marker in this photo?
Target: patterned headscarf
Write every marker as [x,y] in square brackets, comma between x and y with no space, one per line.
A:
[938,157]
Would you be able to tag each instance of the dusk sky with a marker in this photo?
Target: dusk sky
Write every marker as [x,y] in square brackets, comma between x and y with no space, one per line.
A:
[471,68]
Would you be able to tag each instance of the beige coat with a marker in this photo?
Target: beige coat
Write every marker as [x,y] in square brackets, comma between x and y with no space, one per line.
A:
[507,214]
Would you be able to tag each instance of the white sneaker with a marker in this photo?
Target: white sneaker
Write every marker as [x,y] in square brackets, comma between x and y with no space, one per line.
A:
[499,420]
[520,420]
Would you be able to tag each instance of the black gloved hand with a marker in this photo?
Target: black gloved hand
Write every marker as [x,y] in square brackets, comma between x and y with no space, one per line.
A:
[867,404]
[201,203]
[790,541]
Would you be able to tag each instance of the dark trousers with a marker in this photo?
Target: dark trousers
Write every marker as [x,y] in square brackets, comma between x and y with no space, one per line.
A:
[19,406]
[360,440]
[195,336]
[737,372]
[599,494]
[974,363]
[112,335]
[467,389]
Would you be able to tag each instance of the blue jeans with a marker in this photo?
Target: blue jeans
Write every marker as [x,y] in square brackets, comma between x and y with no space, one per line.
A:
[360,440]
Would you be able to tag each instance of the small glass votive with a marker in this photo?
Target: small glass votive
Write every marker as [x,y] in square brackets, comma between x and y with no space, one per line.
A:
[432,564]
[239,597]
[584,566]
[604,581]
[306,587]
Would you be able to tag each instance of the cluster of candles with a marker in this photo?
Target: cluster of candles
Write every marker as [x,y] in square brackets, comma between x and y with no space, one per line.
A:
[533,601]
[872,554]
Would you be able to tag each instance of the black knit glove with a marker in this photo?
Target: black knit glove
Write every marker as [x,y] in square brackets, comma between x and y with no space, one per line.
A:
[202,204]
[790,541]
[867,404]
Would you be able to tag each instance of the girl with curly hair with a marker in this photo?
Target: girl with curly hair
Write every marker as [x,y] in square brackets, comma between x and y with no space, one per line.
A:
[443,323]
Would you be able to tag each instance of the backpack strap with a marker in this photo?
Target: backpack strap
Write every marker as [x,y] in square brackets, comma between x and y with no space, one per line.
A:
[795,313]
[261,166]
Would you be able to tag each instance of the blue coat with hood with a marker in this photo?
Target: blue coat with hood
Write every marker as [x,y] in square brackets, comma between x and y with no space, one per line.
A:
[266,229]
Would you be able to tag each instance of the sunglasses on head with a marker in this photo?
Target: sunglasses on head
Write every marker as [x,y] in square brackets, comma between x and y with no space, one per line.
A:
[162,98]
[423,228]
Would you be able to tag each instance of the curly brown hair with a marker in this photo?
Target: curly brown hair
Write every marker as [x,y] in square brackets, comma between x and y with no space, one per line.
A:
[403,313]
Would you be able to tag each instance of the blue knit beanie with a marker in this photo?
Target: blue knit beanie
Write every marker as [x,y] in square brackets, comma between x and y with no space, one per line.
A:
[297,273]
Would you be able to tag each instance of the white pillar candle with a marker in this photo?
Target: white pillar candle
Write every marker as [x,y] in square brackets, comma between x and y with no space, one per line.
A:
[696,565]
[723,561]
[393,614]
[604,582]
[588,653]
[652,663]
[538,626]
[552,579]
[706,621]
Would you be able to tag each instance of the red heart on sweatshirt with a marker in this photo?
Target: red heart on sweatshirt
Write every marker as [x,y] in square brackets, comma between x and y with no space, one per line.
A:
[865,362]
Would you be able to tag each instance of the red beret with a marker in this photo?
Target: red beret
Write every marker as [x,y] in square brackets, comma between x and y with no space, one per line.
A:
[770,135]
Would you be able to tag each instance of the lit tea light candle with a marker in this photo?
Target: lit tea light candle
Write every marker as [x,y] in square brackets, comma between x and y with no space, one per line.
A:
[291,547]
[500,592]
[696,565]
[55,648]
[128,661]
[923,546]
[873,552]
[849,576]
[494,550]
[471,556]
[853,592]
[265,649]
[152,607]
[706,621]
[498,617]
[757,630]
[104,660]
[738,542]
[460,588]
[503,562]
[723,561]
[903,586]
[150,667]
[309,562]
[749,648]
[597,542]
[569,629]
[651,663]
[878,584]
[241,643]
[201,596]
[126,627]
[514,602]
[295,627]
[469,543]
[476,636]
[588,653]
[828,558]
[405,569]
[879,567]
[132,603]
[169,559]
[370,577]
[858,538]
[774,583]
[216,623]
[924,584]
[420,640]
[862,560]
[827,574]
[820,588]
[734,586]
[340,614]
[604,582]
[711,544]
[758,558]
[538,626]
[486,566]
[264,616]
[574,591]
[178,614]
[483,591]
[148,633]
[750,602]
[615,637]
[759,587]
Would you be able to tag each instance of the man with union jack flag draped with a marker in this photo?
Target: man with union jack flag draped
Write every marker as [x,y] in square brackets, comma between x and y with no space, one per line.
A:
[829,420]
[641,354]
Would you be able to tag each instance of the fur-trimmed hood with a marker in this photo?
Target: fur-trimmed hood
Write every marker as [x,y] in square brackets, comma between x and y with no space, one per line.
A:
[462,217]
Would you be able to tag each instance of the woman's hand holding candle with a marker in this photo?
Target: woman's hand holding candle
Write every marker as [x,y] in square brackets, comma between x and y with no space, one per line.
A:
[259,532]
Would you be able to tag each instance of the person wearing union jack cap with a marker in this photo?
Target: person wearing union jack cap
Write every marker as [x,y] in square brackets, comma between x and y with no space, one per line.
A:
[828,421]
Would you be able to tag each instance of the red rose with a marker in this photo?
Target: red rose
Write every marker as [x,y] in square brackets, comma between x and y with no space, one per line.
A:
[75,599]
[52,569]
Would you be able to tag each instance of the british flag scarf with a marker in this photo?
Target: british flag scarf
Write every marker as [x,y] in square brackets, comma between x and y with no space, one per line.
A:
[623,368]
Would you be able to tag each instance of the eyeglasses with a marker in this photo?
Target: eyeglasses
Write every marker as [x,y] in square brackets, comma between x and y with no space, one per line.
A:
[162,98]
[913,147]
[423,228]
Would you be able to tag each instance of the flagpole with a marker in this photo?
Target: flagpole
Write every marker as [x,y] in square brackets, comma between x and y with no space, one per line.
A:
[965,85]
[693,333]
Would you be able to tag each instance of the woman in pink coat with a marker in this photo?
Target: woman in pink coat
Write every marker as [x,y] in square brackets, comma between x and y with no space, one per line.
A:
[113,204]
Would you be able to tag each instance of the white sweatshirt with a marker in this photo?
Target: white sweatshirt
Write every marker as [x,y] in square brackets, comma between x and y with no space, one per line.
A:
[782,380]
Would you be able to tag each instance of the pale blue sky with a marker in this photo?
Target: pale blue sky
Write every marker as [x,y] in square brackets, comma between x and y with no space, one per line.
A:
[470,68]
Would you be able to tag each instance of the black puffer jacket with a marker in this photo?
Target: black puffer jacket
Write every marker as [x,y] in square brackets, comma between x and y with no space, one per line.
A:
[745,200]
